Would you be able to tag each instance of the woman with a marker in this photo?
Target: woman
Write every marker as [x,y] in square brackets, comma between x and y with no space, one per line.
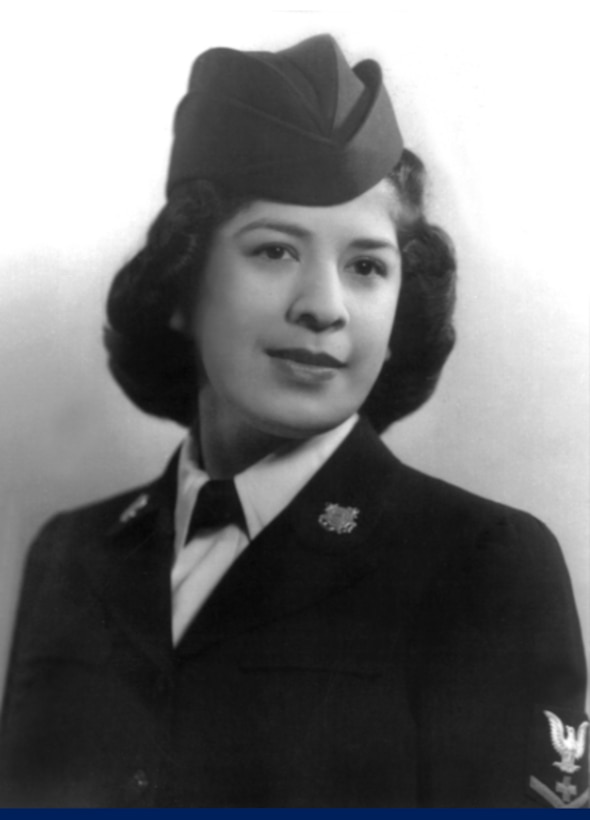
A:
[290,617]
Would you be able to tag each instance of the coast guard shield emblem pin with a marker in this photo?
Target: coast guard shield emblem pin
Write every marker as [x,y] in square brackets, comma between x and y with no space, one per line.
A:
[341,520]
[559,766]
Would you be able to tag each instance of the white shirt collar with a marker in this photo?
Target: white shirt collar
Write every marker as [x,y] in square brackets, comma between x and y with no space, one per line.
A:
[265,488]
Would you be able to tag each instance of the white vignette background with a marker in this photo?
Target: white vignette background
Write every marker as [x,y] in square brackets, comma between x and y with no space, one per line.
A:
[493,95]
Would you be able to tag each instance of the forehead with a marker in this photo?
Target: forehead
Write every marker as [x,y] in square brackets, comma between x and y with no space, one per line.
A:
[371,214]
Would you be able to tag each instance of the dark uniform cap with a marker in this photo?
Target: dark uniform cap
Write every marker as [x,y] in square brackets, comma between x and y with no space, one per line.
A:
[298,125]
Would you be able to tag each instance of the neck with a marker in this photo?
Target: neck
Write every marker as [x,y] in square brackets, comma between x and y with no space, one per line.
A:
[227,445]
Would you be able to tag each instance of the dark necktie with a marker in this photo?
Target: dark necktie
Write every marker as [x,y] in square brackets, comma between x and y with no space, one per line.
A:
[218,505]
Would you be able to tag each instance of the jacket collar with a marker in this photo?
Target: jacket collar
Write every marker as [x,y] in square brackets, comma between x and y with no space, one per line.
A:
[297,560]
[155,500]
[319,544]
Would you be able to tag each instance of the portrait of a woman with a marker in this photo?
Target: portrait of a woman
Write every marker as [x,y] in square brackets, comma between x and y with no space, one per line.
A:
[290,616]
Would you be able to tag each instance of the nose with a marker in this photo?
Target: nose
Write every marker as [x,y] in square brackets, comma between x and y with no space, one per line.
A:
[318,302]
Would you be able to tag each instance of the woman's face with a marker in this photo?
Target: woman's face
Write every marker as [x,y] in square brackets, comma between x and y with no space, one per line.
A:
[294,311]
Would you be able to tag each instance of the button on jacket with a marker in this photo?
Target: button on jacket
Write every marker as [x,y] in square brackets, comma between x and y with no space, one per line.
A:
[387,640]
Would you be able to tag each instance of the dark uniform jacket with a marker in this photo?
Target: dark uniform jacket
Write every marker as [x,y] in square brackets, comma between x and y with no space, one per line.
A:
[388,640]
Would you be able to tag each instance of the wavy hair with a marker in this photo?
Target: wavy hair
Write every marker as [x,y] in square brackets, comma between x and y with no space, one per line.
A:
[155,365]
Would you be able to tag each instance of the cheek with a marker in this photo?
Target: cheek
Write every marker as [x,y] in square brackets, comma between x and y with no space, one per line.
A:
[229,323]
[237,296]
[377,326]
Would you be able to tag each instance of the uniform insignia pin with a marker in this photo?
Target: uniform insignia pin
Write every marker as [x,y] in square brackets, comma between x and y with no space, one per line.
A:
[130,513]
[341,520]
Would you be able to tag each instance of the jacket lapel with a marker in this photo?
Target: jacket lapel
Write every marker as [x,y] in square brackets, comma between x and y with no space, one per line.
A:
[132,571]
[318,545]
[313,549]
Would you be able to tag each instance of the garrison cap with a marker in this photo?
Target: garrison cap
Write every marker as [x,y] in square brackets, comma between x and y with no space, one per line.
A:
[299,125]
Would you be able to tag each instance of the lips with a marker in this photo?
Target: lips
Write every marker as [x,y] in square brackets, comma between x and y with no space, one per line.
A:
[309,358]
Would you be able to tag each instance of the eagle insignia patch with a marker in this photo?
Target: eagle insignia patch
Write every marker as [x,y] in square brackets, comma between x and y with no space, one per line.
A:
[564,734]
[566,742]
[341,520]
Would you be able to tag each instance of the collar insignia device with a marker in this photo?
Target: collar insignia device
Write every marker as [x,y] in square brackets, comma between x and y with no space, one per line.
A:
[341,520]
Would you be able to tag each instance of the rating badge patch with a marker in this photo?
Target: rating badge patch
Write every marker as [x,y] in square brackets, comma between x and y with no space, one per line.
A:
[559,759]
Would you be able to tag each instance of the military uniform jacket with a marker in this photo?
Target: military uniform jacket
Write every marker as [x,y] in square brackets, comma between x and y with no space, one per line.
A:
[388,640]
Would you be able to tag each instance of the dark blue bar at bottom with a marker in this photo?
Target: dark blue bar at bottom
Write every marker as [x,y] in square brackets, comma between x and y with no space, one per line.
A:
[202,813]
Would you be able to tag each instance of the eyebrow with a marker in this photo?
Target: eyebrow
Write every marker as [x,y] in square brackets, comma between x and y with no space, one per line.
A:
[283,227]
[374,245]
[292,229]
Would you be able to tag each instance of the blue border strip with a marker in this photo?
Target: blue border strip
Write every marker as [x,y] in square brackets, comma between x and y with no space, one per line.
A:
[201,813]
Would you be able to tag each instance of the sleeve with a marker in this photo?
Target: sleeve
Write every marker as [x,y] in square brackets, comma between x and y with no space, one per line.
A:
[14,761]
[502,676]
[34,575]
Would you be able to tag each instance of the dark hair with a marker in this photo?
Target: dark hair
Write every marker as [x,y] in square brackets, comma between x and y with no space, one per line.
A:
[155,365]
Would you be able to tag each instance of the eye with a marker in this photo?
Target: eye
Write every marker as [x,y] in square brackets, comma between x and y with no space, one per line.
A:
[367,266]
[275,253]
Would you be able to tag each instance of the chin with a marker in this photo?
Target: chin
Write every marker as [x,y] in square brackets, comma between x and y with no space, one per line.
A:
[301,424]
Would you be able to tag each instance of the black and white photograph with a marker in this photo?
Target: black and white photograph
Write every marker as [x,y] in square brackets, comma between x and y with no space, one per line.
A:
[295,418]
